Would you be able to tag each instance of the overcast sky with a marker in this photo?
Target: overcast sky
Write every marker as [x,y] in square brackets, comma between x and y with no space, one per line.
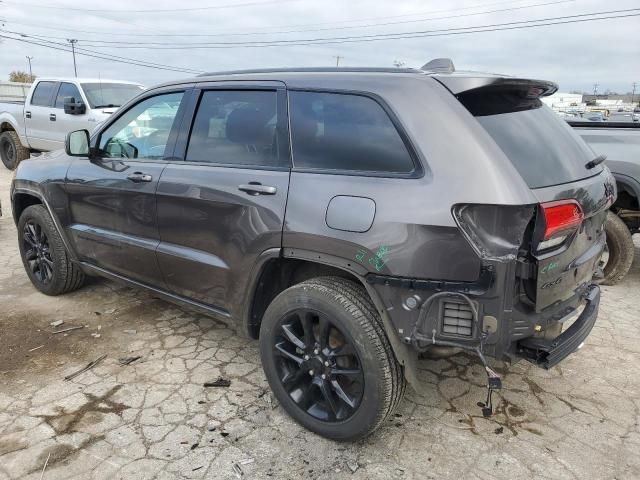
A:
[575,55]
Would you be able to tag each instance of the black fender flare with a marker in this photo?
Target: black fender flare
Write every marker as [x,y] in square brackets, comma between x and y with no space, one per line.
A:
[406,355]
[37,194]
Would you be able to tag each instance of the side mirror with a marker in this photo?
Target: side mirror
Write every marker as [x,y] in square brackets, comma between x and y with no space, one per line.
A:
[73,107]
[117,149]
[77,143]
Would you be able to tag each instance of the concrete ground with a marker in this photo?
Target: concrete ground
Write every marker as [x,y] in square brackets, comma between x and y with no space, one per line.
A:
[153,419]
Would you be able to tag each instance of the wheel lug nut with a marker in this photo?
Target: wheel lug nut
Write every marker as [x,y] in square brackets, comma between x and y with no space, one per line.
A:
[311,372]
[316,351]
[326,364]
[306,357]
[324,376]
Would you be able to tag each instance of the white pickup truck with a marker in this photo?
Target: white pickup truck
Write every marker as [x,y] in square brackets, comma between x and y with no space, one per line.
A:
[54,107]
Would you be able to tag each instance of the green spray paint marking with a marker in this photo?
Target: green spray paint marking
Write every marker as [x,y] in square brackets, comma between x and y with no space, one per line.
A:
[377,260]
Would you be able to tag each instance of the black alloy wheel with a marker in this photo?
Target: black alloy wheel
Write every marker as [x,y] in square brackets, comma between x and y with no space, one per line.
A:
[328,360]
[43,253]
[317,366]
[37,252]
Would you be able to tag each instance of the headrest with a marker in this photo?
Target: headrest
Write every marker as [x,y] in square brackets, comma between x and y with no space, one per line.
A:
[246,125]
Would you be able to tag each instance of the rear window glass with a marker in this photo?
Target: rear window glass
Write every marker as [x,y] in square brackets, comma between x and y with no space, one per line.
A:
[333,131]
[42,94]
[542,147]
[236,127]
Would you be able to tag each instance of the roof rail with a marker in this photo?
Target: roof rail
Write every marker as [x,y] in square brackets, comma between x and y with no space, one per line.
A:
[439,65]
[313,70]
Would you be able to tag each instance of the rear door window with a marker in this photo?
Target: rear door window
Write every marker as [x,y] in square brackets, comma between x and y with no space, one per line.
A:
[542,147]
[236,127]
[345,132]
[42,94]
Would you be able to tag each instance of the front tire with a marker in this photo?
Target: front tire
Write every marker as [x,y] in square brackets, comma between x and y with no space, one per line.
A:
[11,150]
[44,256]
[620,249]
[328,360]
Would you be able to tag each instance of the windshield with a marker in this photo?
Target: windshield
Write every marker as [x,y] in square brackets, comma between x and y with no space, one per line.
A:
[106,95]
[541,146]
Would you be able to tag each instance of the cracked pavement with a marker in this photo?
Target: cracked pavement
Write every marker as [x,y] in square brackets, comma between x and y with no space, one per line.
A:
[153,419]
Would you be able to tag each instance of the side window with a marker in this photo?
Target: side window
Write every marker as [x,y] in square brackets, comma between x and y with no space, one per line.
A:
[334,131]
[235,127]
[143,130]
[67,90]
[42,94]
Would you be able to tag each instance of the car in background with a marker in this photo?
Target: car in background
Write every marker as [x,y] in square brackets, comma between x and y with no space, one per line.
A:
[55,107]
[620,143]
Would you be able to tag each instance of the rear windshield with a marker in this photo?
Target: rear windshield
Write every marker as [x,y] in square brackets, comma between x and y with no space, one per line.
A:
[544,148]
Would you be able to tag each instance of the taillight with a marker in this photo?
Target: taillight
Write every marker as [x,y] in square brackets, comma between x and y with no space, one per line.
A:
[561,219]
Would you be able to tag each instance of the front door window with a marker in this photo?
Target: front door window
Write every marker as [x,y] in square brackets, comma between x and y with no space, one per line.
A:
[143,131]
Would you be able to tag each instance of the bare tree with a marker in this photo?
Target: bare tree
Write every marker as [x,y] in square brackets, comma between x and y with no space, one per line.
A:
[20,76]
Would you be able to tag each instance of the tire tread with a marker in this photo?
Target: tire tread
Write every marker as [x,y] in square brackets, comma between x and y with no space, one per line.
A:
[356,301]
[71,276]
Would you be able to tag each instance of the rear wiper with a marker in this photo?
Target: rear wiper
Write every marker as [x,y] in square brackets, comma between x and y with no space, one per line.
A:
[595,162]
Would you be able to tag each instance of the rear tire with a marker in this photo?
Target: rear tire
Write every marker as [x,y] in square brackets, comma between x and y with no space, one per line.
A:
[621,250]
[355,334]
[44,256]
[11,150]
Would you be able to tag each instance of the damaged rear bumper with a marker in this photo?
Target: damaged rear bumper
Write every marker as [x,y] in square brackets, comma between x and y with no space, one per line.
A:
[548,353]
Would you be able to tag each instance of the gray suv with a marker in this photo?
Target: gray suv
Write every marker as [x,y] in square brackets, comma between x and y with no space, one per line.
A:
[347,218]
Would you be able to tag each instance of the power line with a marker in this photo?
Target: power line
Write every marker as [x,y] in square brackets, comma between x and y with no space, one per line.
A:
[348,27]
[155,10]
[113,58]
[561,20]
[337,22]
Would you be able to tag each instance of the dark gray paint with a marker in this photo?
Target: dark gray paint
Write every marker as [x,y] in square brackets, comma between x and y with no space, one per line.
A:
[351,214]
[211,232]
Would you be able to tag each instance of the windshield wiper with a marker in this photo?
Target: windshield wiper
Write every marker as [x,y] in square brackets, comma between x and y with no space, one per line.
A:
[595,162]
[110,105]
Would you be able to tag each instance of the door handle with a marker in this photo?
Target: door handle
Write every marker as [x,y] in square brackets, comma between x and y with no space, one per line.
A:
[27,114]
[256,188]
[52,117]
[139,177]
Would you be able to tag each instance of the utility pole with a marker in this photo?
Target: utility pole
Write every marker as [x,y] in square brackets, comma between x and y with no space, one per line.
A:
[73,42]
[595,88]
[30,73]
[633,92]
[338,58]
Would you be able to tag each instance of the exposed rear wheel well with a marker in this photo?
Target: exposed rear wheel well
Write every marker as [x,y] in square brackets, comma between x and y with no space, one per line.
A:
[627,200]
[6,126]
[22,201]
[280,274]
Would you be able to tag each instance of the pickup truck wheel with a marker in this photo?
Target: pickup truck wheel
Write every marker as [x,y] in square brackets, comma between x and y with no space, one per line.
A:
[43,254]
[328,360]
[11,150]
[618,256]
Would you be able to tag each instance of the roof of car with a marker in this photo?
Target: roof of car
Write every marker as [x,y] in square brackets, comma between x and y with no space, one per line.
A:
[441,69]
[84,80]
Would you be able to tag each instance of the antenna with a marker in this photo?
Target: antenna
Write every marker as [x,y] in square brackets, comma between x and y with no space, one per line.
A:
[439,65]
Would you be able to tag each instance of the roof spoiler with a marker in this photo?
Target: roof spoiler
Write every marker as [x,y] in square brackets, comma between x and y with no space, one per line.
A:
[439,65]
[467,84]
